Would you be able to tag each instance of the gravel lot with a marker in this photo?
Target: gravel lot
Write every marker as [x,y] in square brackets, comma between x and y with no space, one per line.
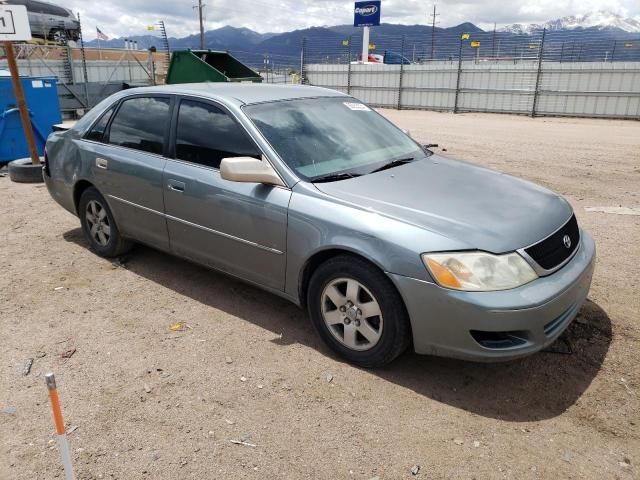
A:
[149,402]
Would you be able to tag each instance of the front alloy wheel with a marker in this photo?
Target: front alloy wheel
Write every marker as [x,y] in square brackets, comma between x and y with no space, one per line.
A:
[352,314]
[357,311]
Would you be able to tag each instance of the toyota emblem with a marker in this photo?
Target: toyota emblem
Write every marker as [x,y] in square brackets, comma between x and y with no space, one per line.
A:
[567,241]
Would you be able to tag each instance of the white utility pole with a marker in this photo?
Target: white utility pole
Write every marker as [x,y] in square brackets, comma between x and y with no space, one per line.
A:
[365,44]
[434,15]
[200,7]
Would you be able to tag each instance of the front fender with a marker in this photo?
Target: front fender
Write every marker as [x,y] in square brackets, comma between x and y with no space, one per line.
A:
[318,222]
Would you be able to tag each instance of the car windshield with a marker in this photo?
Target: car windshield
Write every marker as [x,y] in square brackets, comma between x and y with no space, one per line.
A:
[320,138]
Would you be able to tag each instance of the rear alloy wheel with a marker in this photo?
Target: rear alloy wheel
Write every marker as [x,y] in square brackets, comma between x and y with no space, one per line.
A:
[99,226]
[357,311]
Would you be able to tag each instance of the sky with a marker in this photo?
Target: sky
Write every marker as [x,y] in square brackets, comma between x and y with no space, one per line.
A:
[118,18]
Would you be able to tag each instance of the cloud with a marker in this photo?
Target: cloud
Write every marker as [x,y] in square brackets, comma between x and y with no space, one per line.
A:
[130,17]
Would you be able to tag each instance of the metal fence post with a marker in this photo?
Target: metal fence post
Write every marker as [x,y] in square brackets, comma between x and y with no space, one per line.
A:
[69,62]
[152,65]
[613,52]
[349,66]
[399,105]
[302,60]
[536,92]
[455,101]
[85,74]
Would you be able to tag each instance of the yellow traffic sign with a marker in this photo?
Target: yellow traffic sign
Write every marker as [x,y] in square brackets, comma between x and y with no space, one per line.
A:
[533,46]
[475,44]
[628,45]
[372,46]
[465,36]
[345,43]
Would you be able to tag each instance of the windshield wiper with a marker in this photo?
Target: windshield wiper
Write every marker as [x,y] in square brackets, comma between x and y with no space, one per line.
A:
[393,163]
[332,177]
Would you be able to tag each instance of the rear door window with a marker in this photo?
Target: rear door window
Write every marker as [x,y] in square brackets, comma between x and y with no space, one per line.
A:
[206,134]
[141,123]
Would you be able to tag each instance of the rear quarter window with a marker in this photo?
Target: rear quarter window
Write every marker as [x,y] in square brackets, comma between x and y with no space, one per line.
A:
[96,133]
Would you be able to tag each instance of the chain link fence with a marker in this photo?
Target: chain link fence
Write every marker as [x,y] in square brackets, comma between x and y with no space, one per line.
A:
[86,76]
[543,73]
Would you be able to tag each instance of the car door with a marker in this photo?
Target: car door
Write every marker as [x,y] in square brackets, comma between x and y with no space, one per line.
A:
[239,228]
[126,148]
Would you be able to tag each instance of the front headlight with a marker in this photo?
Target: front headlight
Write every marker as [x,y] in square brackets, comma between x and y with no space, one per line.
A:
[478,271]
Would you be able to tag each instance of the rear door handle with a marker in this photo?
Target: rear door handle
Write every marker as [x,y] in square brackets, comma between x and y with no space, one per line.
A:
[175,185]
[101,163]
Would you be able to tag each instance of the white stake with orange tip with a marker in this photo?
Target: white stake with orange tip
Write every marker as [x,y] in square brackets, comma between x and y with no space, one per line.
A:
[57,417]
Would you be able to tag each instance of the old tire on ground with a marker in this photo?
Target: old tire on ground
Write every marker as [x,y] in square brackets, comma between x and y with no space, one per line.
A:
[99,226]
[23,171]
[358,312]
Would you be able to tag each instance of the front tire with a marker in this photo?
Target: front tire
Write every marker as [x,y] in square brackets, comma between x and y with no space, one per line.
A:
[99,226]
[358,312]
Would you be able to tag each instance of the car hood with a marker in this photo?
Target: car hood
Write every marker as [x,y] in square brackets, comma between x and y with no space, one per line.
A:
[478,207]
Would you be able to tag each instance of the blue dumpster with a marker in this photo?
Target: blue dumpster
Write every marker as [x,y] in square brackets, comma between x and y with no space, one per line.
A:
[44,108]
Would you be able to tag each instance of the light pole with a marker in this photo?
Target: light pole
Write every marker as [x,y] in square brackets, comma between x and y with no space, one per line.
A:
[200,7]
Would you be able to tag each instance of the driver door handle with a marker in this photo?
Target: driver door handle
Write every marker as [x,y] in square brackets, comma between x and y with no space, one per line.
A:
[175,185]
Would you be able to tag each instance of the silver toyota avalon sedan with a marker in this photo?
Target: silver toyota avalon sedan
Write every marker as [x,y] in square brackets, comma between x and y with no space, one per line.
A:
[314,196]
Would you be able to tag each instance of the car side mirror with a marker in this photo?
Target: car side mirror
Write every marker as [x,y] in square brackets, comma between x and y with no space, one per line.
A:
[249,170]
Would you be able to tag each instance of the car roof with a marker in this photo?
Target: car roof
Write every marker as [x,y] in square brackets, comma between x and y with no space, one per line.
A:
[242,93]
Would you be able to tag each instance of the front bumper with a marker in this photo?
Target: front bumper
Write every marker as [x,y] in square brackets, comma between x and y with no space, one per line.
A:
[492,326]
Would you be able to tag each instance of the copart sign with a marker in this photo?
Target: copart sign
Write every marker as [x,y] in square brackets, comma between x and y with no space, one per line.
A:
[366,14]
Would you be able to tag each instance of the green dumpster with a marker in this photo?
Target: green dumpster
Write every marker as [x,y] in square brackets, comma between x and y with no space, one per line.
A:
[193,66]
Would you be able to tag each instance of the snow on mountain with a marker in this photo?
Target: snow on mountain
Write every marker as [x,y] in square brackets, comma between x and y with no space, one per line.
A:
[521,28]
[601,20]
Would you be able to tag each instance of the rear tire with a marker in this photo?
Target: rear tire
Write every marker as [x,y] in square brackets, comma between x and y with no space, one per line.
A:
[99,226]
[358,312]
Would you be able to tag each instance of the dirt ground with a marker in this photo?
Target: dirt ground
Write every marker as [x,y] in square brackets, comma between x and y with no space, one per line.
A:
[149,402]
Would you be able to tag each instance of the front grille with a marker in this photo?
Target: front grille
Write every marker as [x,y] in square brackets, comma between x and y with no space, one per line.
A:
[552,251]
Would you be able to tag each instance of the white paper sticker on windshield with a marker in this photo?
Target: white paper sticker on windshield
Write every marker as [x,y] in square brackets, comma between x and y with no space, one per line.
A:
[357,106]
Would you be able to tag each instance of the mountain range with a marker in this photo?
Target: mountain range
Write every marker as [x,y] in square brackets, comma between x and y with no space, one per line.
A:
[599,20]
[596,28]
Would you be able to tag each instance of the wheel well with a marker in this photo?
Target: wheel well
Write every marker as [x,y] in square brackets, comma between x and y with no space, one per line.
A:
[318,259]
[78,188]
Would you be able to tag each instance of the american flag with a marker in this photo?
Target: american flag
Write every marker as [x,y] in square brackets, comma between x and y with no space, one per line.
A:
[101,36]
